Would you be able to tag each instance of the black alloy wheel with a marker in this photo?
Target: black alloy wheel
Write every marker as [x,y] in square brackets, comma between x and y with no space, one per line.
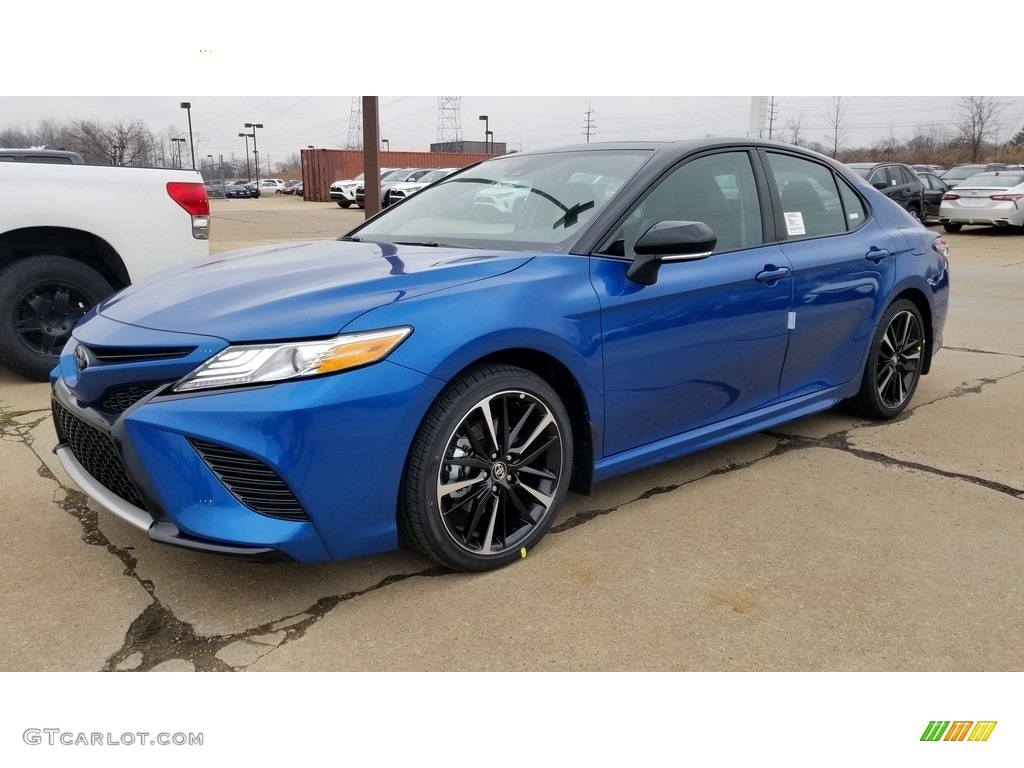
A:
[488,471]
[894,363]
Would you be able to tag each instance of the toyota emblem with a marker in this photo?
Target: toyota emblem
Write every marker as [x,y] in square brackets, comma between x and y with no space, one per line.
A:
[81,357]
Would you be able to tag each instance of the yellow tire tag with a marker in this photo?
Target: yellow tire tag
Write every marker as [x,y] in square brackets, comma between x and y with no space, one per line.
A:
[522,552]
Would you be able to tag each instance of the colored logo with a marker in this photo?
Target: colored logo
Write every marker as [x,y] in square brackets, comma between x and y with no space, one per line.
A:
[958,730]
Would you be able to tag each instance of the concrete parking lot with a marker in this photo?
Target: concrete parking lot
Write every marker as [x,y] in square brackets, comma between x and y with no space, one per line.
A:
[827,544]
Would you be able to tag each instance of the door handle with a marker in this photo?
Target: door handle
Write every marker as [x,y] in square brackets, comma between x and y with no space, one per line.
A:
[771,274]
[876,254]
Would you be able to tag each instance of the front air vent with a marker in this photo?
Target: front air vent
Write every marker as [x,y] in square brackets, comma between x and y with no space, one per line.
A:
[251,481]
[96,453]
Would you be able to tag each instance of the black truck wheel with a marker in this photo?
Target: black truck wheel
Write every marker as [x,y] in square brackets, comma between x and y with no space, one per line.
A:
[41,299]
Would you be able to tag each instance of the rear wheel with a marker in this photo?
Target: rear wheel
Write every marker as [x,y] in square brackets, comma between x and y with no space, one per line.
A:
[949,227]
[893,368]
[41,299]
[915,212]
[488,471]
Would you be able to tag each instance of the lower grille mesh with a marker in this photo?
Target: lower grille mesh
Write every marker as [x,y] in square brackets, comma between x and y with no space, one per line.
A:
[120,400]
[251,481]
[96,453]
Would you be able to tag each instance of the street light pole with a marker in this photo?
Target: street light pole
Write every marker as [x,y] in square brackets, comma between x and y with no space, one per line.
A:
[486,131]
[255,151]
[177,144]
[388,147]
[248,168]
[490,140]
[187,106]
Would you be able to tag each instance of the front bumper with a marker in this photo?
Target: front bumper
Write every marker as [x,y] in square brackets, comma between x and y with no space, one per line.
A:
[342,193]
[337,443]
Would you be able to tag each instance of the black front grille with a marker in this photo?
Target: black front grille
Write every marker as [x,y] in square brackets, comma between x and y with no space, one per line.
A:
[96,453]
[251,481]
[120,355]
[120,400]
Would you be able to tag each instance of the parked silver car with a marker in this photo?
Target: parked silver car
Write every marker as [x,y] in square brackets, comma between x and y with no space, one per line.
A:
[995,198]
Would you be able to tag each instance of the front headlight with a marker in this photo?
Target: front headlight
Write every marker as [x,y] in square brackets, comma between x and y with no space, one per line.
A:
[266,363]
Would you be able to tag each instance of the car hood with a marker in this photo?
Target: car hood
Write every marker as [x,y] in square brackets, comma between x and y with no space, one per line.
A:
[297,290]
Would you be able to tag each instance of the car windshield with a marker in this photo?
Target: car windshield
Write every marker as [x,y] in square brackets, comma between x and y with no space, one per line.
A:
[398,175]
[514,202]
[1001,179]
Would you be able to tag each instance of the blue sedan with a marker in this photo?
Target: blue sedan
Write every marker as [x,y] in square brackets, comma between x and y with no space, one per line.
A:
[445,379]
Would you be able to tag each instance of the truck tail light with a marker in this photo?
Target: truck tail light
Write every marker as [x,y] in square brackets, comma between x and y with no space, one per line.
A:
[191,195]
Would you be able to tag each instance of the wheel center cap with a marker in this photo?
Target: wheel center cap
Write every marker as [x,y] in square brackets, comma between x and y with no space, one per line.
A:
[499,470]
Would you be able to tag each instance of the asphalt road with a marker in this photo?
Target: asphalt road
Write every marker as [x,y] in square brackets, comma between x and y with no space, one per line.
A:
[827,544]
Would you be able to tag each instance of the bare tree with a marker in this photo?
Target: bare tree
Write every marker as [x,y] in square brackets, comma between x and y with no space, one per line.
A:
[835,116]
[795,131]
[978,122]
[116,143]
[16,138]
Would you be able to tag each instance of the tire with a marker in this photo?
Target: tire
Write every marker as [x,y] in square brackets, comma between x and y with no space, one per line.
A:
[360,205]
[345,203]
[893,367]
[474,497]
[915,212]
[954,228]
[41,299]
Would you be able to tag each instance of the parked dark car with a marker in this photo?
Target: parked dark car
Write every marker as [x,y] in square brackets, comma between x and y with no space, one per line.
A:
[896,181]
[237,190]
[960,173]
[453,378]
[254,189]
[934,189]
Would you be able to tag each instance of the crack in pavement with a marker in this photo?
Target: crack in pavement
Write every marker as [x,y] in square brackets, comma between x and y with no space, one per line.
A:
[157,636]
[983,352]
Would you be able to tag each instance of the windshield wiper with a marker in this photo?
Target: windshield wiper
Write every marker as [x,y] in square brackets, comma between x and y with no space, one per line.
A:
[351,239]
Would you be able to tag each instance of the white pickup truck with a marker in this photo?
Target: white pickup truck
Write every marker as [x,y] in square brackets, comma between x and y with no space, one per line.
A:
[70,235]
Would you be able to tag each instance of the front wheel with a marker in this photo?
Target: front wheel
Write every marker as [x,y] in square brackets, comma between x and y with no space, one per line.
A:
[954,228]
[41,299]
[345,203]
[488,470]
[893,368]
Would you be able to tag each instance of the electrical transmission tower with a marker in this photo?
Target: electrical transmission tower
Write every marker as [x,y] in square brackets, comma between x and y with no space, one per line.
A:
[449,122]
[773,112]
[588,124]
[355,124]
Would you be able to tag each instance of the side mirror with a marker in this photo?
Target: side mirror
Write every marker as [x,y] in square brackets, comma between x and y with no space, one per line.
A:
[670,241]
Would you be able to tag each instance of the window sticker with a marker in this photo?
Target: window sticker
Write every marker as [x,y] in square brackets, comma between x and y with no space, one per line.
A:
[854,216]
[795,223]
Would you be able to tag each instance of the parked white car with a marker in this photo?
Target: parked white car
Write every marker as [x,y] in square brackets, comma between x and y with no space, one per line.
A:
[344,192]
[407,188]
[995,198]
[271,186]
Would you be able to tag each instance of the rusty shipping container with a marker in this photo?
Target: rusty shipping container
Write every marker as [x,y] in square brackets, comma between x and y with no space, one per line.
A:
[323,167]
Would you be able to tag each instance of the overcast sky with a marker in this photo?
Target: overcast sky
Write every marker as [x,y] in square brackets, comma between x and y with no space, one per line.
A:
[550,64]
